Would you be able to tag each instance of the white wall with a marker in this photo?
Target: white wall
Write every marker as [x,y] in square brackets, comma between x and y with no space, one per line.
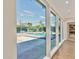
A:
[9,30]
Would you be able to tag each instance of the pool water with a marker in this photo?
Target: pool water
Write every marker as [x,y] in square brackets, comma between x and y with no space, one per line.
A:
[40,34]
[34,49]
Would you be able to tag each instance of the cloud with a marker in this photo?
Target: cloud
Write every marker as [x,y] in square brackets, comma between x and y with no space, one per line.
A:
[25,13]
[20,14]
[42,17]
[29,13]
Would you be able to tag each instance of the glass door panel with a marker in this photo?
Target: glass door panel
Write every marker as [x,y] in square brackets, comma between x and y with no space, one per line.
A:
[59,30]
[62,31]
[31,29]
[53,30]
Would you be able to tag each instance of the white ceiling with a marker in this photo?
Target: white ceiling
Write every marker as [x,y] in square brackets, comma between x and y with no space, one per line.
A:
[63,9]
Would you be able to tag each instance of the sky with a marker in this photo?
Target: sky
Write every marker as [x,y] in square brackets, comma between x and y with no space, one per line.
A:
[29,11]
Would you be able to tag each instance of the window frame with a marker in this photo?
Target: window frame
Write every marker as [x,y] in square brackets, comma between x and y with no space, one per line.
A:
[52,12]
[48,10]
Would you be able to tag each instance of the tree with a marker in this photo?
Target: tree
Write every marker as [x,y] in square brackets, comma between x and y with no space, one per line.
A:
[37,28]
[29,26]
[41,26]
[18,28]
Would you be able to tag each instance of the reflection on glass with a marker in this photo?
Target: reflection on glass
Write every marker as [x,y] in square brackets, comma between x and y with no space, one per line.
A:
[31,29]
[53,30]
[59,30]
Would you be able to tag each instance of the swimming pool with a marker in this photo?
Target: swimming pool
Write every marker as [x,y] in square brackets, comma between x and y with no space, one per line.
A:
[40,34]
[34,49]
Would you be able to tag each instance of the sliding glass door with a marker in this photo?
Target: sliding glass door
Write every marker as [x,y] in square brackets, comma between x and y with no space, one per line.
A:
[37,29]
[53,29]
[31,29]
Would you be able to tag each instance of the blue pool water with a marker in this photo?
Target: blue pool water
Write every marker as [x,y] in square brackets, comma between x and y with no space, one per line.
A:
[39,34]
[34,49]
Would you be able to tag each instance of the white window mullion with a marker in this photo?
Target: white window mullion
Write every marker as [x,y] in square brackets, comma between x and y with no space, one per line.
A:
[57,30]
[48,33]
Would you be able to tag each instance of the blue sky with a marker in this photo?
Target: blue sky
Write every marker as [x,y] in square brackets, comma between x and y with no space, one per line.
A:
[29,11]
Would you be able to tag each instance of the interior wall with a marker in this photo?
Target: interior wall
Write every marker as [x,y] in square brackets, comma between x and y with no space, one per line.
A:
[9,29]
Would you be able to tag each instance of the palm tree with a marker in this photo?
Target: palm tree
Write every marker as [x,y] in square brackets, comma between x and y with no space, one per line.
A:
[29,26]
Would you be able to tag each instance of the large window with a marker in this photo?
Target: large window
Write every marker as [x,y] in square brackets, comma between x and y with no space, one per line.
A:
[53,29]
[31,29]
